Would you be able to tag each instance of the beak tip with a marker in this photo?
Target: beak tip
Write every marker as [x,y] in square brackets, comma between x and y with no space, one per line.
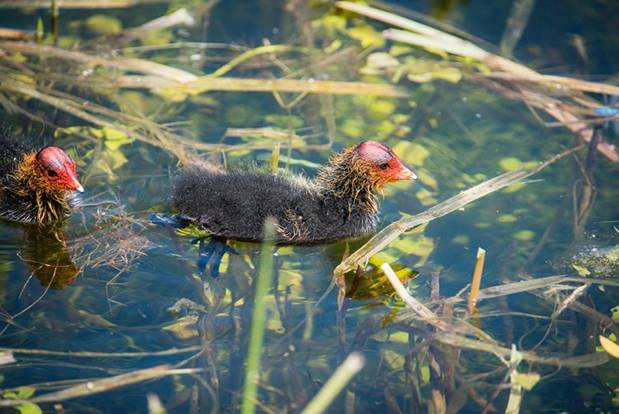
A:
[408,175]
[79,188]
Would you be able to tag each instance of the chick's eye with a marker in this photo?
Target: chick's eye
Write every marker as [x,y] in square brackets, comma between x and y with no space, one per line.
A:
[384,166]
[51,173]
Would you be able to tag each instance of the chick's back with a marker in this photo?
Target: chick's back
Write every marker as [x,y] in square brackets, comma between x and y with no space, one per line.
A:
[12,149]
[235,204]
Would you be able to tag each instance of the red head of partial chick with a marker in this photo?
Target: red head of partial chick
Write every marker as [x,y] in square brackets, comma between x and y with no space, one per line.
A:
[57,169]
[383,163]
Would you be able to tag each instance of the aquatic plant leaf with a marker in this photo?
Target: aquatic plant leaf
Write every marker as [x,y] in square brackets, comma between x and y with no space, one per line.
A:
[398,50]
[451,75]
[424,176]
[394,360]
[114,138]
[23,393]
[461,239]
[381,109]
[29,408]
[184,327]
[507,218]
[581,270]
[425,374]
[285,121]
[609,346]
[101,24]
[524,235]
[425,197]
[367,36]
[513,188]
[399,337]
[378,63]
[527,380]
[510,163]
[374,282]
[353,128]
[422,71]
[330,24]
[157,37]
[411,153]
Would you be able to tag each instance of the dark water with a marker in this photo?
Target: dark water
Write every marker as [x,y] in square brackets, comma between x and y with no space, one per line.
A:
[107,281]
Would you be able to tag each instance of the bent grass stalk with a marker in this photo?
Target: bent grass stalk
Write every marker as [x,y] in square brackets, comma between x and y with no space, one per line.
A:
[252,373]
[353,363]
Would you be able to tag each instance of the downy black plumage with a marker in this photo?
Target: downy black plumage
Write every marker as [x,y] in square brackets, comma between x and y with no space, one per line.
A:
[340,202]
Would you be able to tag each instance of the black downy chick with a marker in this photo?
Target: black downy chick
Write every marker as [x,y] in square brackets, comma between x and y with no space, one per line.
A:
[340,202]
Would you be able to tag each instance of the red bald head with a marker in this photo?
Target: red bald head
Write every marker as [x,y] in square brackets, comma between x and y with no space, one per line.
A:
[384,163]
[58,169]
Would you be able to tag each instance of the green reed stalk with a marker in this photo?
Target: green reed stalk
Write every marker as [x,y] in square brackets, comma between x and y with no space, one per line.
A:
[252,373]
[338,381]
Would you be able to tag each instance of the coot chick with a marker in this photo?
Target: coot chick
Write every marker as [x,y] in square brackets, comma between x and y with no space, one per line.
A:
[35,186]
[341,202]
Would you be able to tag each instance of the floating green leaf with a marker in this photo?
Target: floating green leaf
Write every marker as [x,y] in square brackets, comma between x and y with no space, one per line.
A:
[527,380]
[101,24]
[29,408]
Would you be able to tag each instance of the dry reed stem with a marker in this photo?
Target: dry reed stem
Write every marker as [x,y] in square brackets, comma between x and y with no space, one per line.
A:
[207,84]
[419,308]
[560,83]
[159,76]
[476,281]
[76,4]
[121,63]
[13,34]
[557,110]
[103,385]
[582,361]
[565,303]
[534,284]
[166,352]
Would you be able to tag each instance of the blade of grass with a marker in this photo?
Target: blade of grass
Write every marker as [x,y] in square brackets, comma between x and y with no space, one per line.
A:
[334,385]
[253,364]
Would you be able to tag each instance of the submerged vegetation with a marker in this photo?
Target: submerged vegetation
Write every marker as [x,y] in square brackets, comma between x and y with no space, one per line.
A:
[512,163]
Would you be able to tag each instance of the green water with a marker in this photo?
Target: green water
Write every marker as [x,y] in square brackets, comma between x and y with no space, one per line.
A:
[108,281]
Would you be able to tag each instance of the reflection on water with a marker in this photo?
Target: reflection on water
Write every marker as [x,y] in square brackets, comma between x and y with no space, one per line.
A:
[48,258]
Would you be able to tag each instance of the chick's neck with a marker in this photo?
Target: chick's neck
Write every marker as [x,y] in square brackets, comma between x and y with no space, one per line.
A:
[32,184]
[351,178]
